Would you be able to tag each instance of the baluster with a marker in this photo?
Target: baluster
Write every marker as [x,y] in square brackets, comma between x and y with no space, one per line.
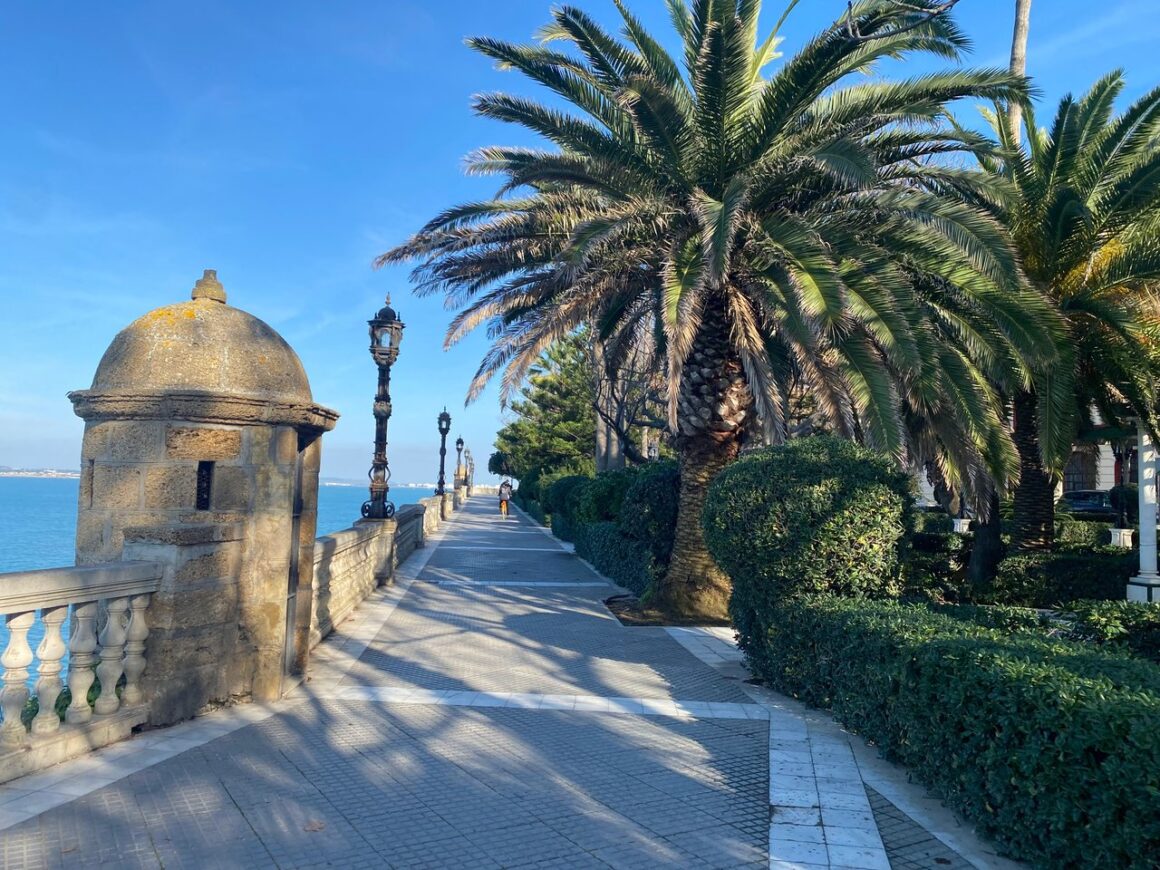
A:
[112,650]
[48,684]
[16,659]
[135,649]
[82,646]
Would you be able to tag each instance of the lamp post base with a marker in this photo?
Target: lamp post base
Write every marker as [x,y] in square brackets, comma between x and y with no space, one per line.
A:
[1145,590]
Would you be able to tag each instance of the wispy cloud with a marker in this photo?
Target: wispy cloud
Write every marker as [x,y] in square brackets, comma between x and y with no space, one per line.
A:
[1102,33]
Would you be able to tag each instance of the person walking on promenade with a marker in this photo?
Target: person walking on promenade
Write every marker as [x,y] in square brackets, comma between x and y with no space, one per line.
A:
[505,494]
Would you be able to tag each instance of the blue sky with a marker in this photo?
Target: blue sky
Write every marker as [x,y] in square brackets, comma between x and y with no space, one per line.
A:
[286,144]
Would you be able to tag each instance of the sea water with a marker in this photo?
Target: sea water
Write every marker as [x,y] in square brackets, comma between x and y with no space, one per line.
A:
[38,519]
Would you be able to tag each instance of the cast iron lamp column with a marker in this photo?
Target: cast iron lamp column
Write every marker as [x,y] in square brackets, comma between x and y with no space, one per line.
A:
[459,462]
[444,421]
[386,333]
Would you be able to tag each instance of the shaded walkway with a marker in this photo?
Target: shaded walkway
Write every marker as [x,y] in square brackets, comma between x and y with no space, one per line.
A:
[489,712]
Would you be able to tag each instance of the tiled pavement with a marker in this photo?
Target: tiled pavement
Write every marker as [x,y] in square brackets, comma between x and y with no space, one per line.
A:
[489,712]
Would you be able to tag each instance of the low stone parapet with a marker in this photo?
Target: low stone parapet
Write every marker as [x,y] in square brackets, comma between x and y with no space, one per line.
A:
[348,566]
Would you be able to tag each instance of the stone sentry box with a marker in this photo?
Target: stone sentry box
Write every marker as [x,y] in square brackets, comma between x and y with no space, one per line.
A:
[201,451]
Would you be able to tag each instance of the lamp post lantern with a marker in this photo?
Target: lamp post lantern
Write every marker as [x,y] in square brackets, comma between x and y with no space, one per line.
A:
[459,462]
[386,331]
[444,421]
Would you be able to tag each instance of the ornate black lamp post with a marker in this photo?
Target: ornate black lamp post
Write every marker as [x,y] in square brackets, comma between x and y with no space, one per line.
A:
[468,471]
[386,333]
[444,428]
[459,462]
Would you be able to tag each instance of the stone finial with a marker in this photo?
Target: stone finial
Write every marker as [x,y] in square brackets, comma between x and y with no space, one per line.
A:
[209,287]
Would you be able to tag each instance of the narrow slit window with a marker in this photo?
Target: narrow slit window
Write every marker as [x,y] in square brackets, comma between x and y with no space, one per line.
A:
[204,484]
[88,482]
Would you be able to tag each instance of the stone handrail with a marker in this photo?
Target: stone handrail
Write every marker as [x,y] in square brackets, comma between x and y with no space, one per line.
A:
[115,595]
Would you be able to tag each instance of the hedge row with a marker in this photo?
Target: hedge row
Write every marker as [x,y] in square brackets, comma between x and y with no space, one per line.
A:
[621,521]
[1052,579]
[1050,747]
[816,514]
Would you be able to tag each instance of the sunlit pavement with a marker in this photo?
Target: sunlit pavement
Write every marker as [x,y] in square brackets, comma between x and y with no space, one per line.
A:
[488,711]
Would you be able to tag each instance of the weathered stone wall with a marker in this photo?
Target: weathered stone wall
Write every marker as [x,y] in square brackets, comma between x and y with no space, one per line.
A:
[348,566]
[193,617]
[432,514]
[409,534]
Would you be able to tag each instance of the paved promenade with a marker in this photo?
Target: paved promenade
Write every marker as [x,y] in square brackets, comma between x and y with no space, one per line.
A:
[489,712]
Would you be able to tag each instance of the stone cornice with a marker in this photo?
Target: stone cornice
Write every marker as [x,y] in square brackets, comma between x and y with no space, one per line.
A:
[200,407]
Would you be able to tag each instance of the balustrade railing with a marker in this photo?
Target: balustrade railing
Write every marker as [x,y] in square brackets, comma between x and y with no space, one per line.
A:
[106,608]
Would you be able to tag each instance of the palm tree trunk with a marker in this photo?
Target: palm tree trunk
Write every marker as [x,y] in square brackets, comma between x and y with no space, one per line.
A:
[1019,58]
[987,549]
[694,585]
[713,409]
[1034,526]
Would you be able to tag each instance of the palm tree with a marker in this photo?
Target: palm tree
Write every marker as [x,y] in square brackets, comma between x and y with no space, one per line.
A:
[1085,217]
[753,234]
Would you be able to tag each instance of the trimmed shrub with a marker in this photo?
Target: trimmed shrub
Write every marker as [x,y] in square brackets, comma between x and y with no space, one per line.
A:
[933,520]
[1052,748]
[556,503]
[1050,579]
[599,499]
[649,511]
[818,514]
[1083,533]
[1128,624]
[1009,620]
[533,509]
[936,566]
[614,555]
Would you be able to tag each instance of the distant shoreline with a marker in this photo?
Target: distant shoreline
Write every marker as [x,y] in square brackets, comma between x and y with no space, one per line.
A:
[67,475]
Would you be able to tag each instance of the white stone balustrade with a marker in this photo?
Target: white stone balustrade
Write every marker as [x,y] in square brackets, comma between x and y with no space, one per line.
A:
[122,591]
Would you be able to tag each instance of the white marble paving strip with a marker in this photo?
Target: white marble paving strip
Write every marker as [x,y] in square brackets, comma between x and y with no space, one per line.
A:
[714,645]
[519,583]
[541,701]
[506,549]
[820,816]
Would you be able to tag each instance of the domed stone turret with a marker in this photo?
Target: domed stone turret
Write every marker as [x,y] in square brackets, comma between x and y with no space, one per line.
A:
[202,449]
[202,345]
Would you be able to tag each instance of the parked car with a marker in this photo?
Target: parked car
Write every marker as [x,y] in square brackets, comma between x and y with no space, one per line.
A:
[1088,504]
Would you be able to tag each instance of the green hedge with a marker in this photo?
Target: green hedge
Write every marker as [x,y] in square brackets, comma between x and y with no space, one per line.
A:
[599,499]
[621,521]
[557,500]
[933,520]
[533,509]
[648,512]
[1052,579]
[818,514]
[1052,748]
[1128,624]
[617,557]
[936,566]
[1083,533]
